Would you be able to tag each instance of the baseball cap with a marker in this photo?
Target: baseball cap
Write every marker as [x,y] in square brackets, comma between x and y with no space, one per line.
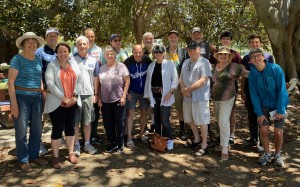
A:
[158,48]
[52,30]
[192,44]
[196,29]
[113,36]
[173,31]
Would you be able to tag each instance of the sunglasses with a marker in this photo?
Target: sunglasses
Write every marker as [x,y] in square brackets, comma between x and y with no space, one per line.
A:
[189,67]
[160,52]
[118,40]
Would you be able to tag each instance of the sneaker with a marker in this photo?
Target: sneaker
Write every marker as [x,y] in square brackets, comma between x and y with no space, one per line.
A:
[182,135]
[231,140]
[25,167]
[278,161]
[42,150]
[90,149]
[40,161]
[120,148]
[111,148]
[96,140]
[249,143]
[77,149]
[264,159]
[260,148]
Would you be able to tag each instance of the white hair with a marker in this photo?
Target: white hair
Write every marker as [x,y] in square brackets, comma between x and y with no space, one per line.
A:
[148,34]
[82,38]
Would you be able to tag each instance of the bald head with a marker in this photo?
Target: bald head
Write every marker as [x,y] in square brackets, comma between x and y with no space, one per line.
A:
[137,52]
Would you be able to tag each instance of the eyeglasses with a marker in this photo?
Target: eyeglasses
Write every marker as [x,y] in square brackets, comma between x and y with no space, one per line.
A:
[256,56]
[160,52]
[118,40]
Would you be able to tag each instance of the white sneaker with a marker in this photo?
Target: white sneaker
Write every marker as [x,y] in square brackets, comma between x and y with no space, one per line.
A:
[77,150]
[42,150]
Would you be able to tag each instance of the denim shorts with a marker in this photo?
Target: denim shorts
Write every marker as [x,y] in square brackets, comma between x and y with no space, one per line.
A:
[277,123]
[134,97]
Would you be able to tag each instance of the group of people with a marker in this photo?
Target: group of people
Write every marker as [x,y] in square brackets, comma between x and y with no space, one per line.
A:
[72,86]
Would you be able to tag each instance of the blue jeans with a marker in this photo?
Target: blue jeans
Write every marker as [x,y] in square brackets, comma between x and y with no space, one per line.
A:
[162,117]
[30,114]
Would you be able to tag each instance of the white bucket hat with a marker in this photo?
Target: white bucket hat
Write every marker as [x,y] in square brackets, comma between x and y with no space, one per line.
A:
[27,35]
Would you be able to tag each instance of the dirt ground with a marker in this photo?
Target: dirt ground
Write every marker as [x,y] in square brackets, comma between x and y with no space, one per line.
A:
[179,167]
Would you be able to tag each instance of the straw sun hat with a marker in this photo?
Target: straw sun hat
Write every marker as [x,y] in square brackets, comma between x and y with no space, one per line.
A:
[28,35]
[223,50]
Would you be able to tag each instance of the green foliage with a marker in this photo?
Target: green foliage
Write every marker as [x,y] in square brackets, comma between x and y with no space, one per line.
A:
[122,16]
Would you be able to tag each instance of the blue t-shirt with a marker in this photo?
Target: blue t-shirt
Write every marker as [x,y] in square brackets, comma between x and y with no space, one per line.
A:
[29,75]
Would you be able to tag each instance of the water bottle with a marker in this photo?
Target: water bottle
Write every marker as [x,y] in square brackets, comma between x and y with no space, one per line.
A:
[170,144]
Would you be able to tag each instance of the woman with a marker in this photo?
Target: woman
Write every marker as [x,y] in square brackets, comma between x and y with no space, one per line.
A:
[223,93]
[114,84]
[161,82]
[62,79]
[24,83]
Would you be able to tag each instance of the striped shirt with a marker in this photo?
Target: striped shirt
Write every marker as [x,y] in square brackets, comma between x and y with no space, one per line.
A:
[29,75]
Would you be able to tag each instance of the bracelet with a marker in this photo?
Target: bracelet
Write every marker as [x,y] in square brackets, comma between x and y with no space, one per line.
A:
[96,94]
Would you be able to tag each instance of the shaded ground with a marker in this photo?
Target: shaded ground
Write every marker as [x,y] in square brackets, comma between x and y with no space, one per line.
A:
[179,167]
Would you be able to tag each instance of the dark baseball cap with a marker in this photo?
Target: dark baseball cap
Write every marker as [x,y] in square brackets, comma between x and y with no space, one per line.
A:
[193,44]
[158,48]
[113,36]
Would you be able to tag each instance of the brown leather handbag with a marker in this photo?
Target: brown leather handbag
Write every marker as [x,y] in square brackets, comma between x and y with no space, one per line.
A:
[159,143]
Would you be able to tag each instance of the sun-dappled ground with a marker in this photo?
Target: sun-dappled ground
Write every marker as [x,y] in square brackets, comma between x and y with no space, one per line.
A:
[179,167]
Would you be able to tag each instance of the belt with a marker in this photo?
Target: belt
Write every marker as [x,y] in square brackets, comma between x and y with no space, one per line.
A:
[30,89]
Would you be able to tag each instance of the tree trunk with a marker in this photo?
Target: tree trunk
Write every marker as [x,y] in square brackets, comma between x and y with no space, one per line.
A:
[282,23]
[139,29]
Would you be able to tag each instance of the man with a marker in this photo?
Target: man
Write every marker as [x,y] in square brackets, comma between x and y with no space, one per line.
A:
[88,93]
[254,43]
[116,43]
[95,52]
[225,40]
[270,99]
[47,54]
[206,47]
[137,65]
[195,87]
[177,55]
[148,40]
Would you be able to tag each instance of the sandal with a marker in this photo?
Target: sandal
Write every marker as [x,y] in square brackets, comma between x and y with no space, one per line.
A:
[192,144]
[56,163]
[224,156]
[130,144]
[201,152]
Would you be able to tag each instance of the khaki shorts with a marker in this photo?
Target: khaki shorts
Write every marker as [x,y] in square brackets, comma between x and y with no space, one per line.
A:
[84,113]
[178,99]
[197,113]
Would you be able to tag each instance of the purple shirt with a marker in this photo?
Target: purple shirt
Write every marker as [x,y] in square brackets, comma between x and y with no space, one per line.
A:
[112,82]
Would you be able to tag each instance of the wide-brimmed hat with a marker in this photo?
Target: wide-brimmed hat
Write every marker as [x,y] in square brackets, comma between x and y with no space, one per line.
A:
[223,50]
[28,35]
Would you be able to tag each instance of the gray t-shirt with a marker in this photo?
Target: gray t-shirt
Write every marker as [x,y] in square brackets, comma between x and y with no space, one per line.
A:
[192,72]
[112,82]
